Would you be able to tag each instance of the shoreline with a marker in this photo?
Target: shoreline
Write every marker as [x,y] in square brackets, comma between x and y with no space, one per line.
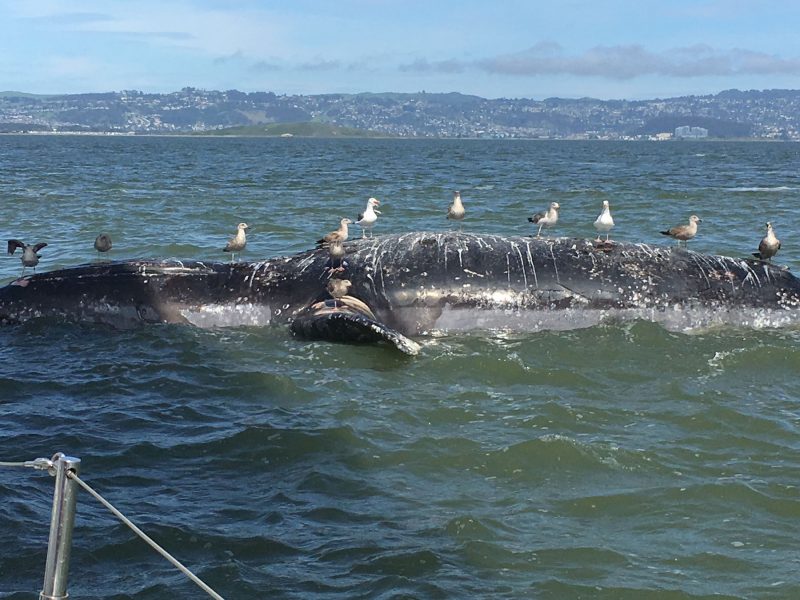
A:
[130,134]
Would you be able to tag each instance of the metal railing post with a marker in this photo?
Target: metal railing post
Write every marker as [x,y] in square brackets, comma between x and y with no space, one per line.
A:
[63,518]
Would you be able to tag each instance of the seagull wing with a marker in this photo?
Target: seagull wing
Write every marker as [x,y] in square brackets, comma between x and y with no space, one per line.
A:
[14,244]
[537,217]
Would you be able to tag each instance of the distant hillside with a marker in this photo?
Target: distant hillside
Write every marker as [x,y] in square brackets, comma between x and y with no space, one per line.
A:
[10,94]
[304,129]
[732,114]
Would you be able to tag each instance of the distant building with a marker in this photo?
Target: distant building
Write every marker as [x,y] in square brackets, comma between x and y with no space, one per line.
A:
[662,136]
[691,133]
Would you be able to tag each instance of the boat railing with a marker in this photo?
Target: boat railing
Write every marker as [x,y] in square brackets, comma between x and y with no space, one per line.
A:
[66,471]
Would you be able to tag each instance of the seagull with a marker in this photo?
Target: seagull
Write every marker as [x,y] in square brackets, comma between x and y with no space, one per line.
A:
[769,245]
[604,222]
[340,235]
[30,258]
[102,243]
[545,219]
[237,242]
[338,288]
[456,210]
[684,232]
[336,263]
[369,216]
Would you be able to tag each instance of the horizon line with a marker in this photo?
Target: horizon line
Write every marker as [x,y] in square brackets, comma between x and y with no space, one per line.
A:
[16,93]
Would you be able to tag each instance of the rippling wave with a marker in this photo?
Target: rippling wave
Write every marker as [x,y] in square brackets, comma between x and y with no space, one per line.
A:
[621,460]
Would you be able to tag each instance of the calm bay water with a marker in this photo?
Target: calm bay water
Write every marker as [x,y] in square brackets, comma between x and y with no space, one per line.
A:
[619,461]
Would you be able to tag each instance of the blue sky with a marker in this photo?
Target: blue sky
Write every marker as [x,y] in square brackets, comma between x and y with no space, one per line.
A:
[512,48]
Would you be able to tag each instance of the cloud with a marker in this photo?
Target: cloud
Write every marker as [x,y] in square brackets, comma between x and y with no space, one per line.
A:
[765,64]
[235,57]
[442,66]
[170,36]
[264,66]
[71,18]
[276,64]
[619,63]
[320,65]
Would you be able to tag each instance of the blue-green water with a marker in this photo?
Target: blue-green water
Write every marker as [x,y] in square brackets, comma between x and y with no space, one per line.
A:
[619,461]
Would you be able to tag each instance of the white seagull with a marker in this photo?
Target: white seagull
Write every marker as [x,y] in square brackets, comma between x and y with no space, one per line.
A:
[237,242]
[545,219]
[604,222]
[456,211]
[368,217]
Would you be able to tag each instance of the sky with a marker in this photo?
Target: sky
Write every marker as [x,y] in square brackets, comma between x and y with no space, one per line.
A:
[535,49]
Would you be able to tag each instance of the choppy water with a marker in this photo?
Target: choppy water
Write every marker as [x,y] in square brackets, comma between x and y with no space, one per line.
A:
[619,461]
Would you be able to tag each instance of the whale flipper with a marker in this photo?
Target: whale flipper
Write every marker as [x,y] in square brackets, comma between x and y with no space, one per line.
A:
[345,321]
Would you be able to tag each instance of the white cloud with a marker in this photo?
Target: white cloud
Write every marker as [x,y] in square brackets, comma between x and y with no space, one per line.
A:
[186,24]
[620,62]
[320,65]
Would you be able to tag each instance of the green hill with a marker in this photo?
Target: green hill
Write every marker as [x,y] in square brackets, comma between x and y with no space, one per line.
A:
[12,94]
[306,129]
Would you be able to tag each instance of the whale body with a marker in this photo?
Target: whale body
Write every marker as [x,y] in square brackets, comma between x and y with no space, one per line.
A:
[420,282]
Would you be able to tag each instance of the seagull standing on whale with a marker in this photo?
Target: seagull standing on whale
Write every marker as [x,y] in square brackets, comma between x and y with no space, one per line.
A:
[604,222]
[338,288]
[336,262]
[367,219]
[340,235]
[769,245]
[238,241]
[684,233]
[456,211]
[30,256]
[102,242]
[545,218]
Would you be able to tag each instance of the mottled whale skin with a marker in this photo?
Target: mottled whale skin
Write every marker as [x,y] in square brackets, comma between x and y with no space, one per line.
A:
[421,282]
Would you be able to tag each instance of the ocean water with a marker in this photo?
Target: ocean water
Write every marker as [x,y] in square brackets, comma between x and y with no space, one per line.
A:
[617,461]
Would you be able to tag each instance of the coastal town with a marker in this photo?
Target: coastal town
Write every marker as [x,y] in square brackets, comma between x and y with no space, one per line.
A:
[732,114]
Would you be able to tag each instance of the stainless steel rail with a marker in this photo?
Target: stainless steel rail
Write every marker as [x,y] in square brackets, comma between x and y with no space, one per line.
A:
[66,469]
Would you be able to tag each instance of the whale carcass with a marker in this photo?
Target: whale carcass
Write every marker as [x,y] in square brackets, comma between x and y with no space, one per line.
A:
[416,283]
